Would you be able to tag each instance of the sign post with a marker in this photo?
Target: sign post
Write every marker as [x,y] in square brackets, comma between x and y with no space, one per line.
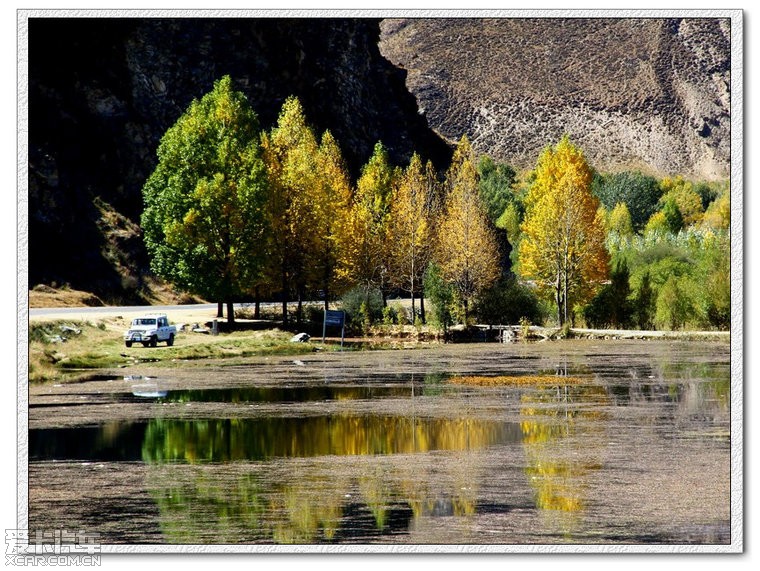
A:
[337,319]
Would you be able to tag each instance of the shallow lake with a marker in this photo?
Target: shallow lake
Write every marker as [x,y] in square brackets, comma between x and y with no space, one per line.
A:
[613,443]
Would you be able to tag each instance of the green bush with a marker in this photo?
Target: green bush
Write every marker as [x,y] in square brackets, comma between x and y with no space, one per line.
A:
[506,303]
[610,307]
[363,307]
[314,313]
[441,296]
[675,304]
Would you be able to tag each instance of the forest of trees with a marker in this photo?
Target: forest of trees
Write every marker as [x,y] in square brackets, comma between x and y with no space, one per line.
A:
[236,212]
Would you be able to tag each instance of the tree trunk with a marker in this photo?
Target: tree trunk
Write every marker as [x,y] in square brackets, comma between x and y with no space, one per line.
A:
[284,298]
[558,298]
[422,306]
[219,306]
[326,285]
[564,295]
[230,312]
[414,308]
[257,304]
[299,311]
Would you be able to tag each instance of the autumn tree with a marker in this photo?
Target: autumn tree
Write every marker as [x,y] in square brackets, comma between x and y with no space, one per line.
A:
[681,193]
[290,152]
[363,254]
[331,211]
[466,249]
[620,220]
[409,230]
[203,220]
[718,213]
[562,247]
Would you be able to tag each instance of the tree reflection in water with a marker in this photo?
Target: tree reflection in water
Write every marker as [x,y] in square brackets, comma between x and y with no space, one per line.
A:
[316,502]
[561,437]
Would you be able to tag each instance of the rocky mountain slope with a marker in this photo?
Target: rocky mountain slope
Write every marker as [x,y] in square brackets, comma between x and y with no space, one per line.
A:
[649,94]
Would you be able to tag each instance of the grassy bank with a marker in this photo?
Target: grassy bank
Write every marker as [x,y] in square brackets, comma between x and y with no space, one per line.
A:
[65,350]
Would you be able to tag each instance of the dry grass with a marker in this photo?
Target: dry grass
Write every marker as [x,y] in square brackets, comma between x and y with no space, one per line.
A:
[45,296]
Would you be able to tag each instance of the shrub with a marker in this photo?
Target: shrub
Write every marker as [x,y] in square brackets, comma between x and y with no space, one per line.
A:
[610,306]
[506,303]
[363,307]
[441,296]
[675,304]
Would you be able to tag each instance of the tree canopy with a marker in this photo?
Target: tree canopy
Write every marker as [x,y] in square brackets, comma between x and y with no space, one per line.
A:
[562,247]
[364,258]
[639,193]
[467,250]
[290,153]
[203,220]
[231,211]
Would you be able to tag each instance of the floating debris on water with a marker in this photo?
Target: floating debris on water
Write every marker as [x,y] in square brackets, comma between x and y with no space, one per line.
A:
[482,381]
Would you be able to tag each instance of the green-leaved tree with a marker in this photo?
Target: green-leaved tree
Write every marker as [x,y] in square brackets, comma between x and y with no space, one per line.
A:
[203,220]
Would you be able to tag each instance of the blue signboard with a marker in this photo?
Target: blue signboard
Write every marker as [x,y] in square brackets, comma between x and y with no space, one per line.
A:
[336,319]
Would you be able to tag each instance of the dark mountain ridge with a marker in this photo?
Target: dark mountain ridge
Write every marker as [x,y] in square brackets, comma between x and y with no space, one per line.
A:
[102,92]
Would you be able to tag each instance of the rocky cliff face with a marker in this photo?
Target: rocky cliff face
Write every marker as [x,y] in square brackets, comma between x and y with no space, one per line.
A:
[648,94]
[102,92]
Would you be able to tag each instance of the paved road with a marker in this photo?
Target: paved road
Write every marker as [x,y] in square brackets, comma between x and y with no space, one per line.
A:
[109,309]
[113,310]
[192,311]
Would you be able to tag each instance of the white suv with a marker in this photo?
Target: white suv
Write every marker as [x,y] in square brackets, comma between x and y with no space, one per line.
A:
[149,330]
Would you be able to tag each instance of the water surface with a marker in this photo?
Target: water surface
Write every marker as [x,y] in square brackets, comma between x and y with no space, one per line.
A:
[365,449]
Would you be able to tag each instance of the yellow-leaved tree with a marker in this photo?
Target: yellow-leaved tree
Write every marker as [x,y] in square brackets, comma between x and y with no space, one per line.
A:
[409,229]
[290,153]
[363,260]
[562,249]
[466,250]
[331,212]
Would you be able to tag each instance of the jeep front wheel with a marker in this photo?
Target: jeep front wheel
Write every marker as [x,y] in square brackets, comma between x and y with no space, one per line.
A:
[153,341]
[170,340]
[128,343]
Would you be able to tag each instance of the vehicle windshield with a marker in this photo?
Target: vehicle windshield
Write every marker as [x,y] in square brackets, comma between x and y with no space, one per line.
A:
[143,322]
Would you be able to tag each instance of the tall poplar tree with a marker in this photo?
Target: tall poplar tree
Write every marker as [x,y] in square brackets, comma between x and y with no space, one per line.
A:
[203,220]
[331,212]
[409,229]
[466,249]
[290,152]
[364,252]
[562,247]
